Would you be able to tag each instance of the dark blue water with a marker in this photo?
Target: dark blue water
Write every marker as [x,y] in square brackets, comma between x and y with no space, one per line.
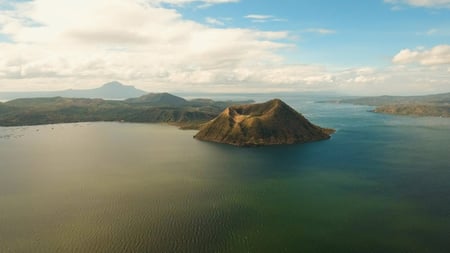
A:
[381,184]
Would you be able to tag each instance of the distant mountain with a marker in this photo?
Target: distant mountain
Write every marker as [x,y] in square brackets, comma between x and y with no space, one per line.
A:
[270,123]
[437,105]
[111,90]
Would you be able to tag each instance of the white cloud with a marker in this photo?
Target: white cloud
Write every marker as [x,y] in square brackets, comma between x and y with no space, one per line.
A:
[214,21]
[198,3]
[432,31]
[181,2]
[258,16]
[393,80]
[438,55]
[322,31]
[422,3]
[435,32]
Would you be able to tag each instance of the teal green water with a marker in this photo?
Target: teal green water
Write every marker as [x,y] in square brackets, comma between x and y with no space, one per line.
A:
[381,184]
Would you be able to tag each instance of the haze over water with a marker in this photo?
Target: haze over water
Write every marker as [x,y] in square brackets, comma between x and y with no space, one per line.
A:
[379,185]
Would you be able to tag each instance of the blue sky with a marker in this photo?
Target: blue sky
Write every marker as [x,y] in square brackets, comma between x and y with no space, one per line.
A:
[347,46]
[361,32]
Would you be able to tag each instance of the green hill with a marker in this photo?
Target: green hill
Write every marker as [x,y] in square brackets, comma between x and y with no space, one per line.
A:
[159,99]
[152,108]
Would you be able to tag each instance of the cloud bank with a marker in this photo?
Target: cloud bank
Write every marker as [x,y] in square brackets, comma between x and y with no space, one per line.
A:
[126,40]
[438,55]
[55,44]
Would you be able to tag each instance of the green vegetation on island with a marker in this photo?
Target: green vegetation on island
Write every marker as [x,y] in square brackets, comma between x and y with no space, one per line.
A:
[151,108]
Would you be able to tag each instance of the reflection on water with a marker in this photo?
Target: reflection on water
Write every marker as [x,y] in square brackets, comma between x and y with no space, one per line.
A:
[379,185]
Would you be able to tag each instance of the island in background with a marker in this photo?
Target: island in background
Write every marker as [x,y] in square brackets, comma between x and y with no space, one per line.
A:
[437,105]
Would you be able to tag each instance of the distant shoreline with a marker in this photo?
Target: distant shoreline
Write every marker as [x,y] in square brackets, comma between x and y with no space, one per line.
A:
[437,105]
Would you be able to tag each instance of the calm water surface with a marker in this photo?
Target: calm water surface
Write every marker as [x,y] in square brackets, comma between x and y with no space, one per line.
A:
[381,184]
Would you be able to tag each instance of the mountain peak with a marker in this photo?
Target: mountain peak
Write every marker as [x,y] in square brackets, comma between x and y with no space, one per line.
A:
[276,101]
[113,84]
[111,90]
[270,123]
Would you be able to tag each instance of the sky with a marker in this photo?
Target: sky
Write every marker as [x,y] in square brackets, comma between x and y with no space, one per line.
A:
[371,47]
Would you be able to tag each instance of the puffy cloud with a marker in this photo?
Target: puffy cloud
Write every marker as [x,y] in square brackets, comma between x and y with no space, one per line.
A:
[397,79]
[422,3]
[125,40]
[438,55]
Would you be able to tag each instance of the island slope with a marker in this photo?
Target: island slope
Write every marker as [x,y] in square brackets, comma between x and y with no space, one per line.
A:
[269,123]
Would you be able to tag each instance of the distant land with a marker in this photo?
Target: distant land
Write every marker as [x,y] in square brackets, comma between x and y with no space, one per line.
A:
[111,90]
[151,108]
[437,105]
[270,123]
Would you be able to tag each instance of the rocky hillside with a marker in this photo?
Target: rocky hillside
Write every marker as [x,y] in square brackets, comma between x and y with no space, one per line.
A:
[270,123]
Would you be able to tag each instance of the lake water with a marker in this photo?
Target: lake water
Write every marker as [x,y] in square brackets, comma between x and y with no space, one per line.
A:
[381,184]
